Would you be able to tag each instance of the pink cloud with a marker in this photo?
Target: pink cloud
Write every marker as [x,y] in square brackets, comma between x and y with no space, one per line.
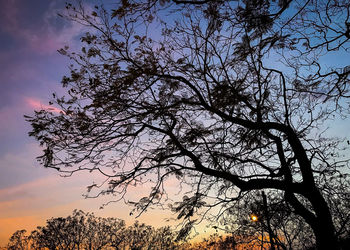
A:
[36,104]
[51,40]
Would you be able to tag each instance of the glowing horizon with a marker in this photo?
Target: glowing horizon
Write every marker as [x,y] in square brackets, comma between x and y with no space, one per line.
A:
[32,71]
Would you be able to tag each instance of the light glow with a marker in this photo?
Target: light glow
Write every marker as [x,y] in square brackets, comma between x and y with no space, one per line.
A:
[253,217]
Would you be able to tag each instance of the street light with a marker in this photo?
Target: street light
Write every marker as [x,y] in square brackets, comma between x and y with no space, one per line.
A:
[253,217]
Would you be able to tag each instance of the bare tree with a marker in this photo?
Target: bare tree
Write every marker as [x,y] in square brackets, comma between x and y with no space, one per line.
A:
[229,98]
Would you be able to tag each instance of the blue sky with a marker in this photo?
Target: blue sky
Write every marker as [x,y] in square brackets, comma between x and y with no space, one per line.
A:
[31,69]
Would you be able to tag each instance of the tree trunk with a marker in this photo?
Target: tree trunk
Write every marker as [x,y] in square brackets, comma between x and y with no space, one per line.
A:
[320,219]
[325,237]
[324,228]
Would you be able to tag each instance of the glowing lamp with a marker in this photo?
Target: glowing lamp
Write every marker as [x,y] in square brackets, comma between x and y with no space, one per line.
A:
[253,217]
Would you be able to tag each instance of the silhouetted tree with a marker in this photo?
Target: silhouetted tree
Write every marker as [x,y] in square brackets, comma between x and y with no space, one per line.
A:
[78,231]
[140,236]
[164,238]
[288,230]
[229,98]
[215,242]
[18,241]
[86,231]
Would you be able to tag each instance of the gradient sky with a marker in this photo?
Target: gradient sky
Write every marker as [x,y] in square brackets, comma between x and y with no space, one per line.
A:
[31,69]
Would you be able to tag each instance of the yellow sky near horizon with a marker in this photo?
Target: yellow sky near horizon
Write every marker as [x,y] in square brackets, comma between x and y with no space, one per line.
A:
[27,206]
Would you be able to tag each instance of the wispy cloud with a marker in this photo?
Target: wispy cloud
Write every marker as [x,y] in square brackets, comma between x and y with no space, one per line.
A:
[36,104]
[44,38]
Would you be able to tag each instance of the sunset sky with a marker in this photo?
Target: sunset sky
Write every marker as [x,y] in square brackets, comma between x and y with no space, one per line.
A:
[31,69]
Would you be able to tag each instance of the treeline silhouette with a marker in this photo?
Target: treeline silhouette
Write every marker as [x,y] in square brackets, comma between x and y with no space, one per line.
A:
[83,230]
